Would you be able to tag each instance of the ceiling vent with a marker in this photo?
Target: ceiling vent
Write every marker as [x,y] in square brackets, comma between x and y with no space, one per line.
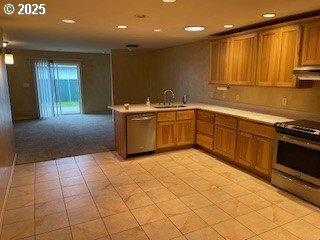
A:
[132,47]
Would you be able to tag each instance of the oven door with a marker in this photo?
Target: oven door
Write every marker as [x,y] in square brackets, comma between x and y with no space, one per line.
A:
[298,157]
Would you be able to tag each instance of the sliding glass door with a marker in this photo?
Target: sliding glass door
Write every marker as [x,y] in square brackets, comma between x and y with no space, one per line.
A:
[58,88]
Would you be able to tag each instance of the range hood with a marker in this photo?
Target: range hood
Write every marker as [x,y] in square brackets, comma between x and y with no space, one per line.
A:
[307,73]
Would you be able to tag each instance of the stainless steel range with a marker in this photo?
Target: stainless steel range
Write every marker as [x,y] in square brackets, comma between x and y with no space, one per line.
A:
[296,165]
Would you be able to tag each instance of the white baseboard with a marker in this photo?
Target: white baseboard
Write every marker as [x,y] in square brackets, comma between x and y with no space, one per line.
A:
[7,193]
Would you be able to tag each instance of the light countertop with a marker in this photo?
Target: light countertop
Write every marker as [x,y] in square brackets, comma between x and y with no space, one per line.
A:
[243,114]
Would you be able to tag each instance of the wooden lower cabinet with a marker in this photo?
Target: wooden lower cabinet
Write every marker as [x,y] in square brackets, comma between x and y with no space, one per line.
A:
[185,132]
[205,141]
[166,134]
[245,148]
[225,141]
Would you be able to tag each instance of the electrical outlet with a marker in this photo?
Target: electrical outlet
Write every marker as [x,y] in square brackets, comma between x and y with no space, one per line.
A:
[224,95]
[237,97]
[284,101]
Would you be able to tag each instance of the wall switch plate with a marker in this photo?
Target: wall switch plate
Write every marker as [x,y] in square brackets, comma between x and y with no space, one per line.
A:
[237,97]
[284,101]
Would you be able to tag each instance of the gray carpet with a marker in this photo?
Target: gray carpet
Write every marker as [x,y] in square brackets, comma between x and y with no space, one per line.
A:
[63,136]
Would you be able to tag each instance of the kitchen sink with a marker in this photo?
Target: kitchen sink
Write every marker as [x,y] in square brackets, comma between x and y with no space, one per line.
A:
[169,106]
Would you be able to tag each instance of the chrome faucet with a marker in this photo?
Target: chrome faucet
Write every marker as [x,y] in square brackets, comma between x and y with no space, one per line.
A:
[165,96]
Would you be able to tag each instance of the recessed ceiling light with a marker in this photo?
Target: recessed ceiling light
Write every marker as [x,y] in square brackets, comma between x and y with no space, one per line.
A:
[194,28]
[269,15]
[157,30]
[169,1]
[122,26]
[228,26]
[70,21]
[4,44]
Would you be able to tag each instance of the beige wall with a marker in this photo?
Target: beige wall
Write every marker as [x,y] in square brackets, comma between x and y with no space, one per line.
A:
[185,69]
[130,76]
[95,81]
[6,135]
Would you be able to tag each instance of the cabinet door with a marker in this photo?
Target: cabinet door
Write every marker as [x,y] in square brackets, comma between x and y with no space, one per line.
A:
[288,58]
[268,57]
[166,134]
[263,155]
[205,141]
[245,148]
[243,59]
[219,61]
[185,132]
[225,141]
[311,44]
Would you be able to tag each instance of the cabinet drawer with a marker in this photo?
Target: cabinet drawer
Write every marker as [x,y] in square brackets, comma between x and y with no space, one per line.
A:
[205,127]
[185,115]
[205,116]
[166,116]
[205,141]
[257,129]
[227,121]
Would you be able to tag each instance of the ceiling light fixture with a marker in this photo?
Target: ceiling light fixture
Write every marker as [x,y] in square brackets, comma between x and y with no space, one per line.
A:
[122,26]
[228,26]
[8,58]
[69,21]
[169,1]
[157,30]
[194,28]
[269,15]
[4,44]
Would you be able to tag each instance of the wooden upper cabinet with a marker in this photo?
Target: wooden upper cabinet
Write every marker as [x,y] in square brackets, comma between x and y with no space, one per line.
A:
[288,56]
[219,61]
[268,57]
[311,44]
[243,59]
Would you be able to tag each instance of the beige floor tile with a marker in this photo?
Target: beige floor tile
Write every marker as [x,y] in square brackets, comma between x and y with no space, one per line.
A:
[64,167]
[181,190]
[273,195]
[128,190]
[89,231]
[159,172]
[92,177]
[313,218]
[195,201]
[83,214]
[137,200]
[18,202]
[254,201]
[69,173]
[21,191]
[78,201]
[297,207]
[71,181]
[109,206]
[48,196]
[120,222]
[131,234]
[161,230]
[160,195]
[188,222]
[48,208]
[173,207]
[254,185]
[150,185]
[256,222]
[212,214]
[18,230]
[235,190]
[169,181]
[201,185]
[142,177]
[218,180]
[22,181]
[75,190]
[44,177]
[61,234]
[18,215]
[148,214]
[303,230]
[51,222]
[90,169]
[123,179]
[234,207]
[216,195]
[189,177]
[204,234]
[255,238]
[46,186]
[233,230]
[106,191]
[277,215]
[278,234]
[180,238]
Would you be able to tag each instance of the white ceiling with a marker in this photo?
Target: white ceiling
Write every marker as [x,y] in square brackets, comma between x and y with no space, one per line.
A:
[95,29]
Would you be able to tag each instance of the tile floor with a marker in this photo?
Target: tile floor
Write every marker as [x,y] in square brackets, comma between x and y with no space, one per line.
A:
[177,195]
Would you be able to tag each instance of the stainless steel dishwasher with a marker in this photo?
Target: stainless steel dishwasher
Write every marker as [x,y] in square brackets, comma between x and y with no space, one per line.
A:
[141,133]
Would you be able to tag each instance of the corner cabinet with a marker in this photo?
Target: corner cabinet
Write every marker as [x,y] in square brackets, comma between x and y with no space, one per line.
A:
[219,51]
[243,59]
[311,44]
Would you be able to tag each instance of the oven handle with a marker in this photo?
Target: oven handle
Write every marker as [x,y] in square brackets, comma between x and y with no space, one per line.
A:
[302,142]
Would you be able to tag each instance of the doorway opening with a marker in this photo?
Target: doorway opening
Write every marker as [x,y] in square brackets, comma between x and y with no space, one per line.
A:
[58,88]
